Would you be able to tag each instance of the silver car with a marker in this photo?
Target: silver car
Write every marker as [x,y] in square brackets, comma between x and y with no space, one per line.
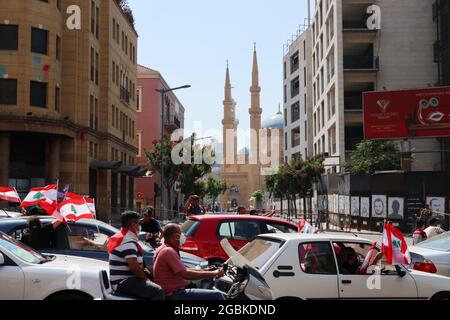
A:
[432,255]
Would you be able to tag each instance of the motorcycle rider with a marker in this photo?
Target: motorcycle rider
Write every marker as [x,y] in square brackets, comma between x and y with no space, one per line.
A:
[151,226]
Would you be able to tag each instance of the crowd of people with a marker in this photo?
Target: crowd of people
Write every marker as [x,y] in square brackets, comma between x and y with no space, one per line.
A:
[424,232]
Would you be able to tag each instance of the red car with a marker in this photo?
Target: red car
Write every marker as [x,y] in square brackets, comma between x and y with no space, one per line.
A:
[205,232]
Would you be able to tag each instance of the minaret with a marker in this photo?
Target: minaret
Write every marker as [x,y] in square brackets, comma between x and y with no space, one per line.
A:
[255,110]
[229,124]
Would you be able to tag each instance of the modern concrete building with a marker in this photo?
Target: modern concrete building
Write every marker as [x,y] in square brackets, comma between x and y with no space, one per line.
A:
[67,99]
[368,45]
[149,116]
[297,75]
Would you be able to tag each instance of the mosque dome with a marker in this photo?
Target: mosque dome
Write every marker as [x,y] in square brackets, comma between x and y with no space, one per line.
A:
[274,122]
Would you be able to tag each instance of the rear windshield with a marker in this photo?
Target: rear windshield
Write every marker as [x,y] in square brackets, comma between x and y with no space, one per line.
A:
[190,227]
[259,251]
[440,242]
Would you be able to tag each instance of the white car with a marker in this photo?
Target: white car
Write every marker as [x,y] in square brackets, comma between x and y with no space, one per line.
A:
[28,275]
[432,255]
[297,266]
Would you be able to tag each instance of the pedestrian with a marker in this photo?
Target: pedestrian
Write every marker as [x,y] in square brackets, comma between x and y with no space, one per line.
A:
[434,229]
[127,270]
[241,210]
[419,235]
[151,226]
[173,276]
[193,207]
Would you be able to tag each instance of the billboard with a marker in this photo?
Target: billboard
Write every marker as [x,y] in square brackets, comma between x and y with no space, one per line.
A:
[407,114]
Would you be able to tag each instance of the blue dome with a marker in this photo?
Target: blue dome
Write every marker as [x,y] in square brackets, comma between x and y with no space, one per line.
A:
[274,122]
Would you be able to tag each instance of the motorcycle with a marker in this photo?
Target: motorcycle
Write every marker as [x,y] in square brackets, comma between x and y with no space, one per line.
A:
[150,239]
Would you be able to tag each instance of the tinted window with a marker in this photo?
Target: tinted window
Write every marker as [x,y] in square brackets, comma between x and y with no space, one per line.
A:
[317,258]
[38,94]
[8,91]
[39,40]
[190,227]
[9,35]
[240,230]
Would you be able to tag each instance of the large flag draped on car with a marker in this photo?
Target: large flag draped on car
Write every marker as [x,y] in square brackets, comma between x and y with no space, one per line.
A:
[9,194]
[394,246]
[74,209]
[305,227]
[48,194]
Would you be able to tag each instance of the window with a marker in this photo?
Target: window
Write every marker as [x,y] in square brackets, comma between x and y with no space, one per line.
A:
[295,137]
[58,48]
[38,94]
[114,28]
[139,139]
[9,37]
[8,91]
[274,227]
[317,258]
[295,112]
[240,230]
[92,17]
[114,72]
[139,99]
[96,67]
[39,40]
[113,116]
[295,87]
[294,62]
[86,238]
[91,111]
[350,256]
[92,65]
[259,251]
[97,22]
[57,98]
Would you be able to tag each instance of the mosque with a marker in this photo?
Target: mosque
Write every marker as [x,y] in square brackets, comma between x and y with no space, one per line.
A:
[245,171]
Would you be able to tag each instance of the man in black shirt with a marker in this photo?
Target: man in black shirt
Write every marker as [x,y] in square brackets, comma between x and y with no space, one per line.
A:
[192,206]
[40,236]
[151,226]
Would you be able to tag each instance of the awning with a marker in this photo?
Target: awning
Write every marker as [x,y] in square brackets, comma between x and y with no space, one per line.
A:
[133,171]
[105,165]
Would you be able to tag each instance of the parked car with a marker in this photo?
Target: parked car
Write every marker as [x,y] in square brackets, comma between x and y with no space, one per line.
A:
[204,233]
[85,238]
[28,275]
[432,255]
[298,266]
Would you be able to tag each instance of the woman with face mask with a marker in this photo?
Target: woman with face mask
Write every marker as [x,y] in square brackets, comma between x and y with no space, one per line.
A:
[126,263]
[172,275]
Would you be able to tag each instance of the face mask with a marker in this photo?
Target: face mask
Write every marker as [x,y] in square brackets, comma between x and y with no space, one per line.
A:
[182,239]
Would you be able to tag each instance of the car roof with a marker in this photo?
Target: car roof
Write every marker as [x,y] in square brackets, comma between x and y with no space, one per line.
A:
[236,217]
[319,236]
[24,219]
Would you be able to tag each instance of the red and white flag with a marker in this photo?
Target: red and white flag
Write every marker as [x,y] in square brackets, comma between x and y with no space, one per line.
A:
[89,201]
[305,227]
[394,246]
[368,258]
[9,194]
[74,210]
[36,195]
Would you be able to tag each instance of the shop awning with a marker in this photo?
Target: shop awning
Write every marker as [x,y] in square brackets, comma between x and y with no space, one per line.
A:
[105,165]
[133,171]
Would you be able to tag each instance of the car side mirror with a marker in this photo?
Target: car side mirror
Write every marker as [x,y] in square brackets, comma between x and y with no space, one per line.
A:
[2,259]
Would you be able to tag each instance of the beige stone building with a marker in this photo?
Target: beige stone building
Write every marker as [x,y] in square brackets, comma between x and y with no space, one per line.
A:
[68,99]
[245,171]
[349,58]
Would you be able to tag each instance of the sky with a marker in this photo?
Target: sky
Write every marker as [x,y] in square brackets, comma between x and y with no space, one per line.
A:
[189,42]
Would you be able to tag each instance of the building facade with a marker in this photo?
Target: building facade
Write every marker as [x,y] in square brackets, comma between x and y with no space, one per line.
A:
[149,115]
[297,91]
[368,45]
[68,101]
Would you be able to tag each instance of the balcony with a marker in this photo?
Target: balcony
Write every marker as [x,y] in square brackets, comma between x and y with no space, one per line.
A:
[353,103]
[362,63]
[124,95]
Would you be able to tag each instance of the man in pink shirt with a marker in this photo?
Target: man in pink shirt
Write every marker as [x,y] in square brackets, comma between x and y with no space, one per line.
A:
[170,273]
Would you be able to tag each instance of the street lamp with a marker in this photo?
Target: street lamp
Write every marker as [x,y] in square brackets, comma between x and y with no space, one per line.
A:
[163,93]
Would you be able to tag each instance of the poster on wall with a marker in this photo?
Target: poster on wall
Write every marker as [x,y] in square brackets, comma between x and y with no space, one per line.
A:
[365,207]
[347,205]
[396,208]
[355,207]
[379,207]
[436,204]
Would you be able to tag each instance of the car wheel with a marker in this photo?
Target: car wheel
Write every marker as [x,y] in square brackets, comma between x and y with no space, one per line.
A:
[441,296]
[68,296]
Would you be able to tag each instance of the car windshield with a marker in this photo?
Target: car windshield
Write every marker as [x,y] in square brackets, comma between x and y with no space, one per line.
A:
[439,243]
[259,251]
[20,250]
[189,227]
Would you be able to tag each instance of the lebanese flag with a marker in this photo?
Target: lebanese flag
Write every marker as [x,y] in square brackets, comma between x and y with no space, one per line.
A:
[36,195]
[368,258]
[394,247]
[89,201]
[305,227]
[74,210]
[123,236]
[9,194]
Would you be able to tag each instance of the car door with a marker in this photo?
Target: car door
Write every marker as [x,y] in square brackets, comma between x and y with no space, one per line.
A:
[87,241]
[12,279]
[387,284]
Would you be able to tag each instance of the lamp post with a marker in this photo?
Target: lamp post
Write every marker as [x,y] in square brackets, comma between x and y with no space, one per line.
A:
[163,93]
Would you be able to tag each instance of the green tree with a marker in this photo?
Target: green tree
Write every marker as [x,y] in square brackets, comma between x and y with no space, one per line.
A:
[374,155]
[215,187]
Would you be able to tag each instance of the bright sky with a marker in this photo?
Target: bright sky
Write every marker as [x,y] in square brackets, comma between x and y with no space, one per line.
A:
[189,42]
